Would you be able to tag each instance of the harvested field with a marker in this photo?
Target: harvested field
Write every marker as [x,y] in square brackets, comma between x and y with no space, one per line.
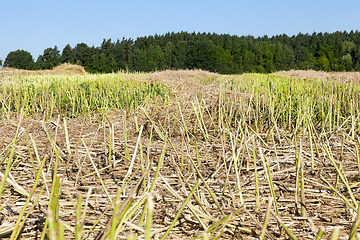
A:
[62,69]
[199,158]
[353,77]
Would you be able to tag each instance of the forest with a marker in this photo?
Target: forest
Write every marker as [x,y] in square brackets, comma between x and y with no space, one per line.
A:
[226,54]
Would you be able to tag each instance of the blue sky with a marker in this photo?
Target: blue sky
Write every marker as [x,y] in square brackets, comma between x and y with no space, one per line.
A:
[38,24]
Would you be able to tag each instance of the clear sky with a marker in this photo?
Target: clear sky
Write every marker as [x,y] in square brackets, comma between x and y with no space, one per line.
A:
[38,24]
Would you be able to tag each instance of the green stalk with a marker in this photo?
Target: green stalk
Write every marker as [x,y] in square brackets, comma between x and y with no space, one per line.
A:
[303,199]
[340,163]
[97,172]
[336,191]
[335,234]
[127,155]
[207,186]
[39,162]
[236,165]
[205,236]
[357,158]
[320,233]
[266,219]
[7,170]
[257,191]
[115,220]
[31,156]
[200,123]
[78,227]
[192,208]
[269,179]
[222,223]
[276,154]
[54,203]
[180,211]
[153,183]
[341,176]
[20,225]
[355,225]
[134,155]
[311,147]
[150,211]
[142,216]
[130,237]
[123,209]
[60,231]
[52,225]
[283,226]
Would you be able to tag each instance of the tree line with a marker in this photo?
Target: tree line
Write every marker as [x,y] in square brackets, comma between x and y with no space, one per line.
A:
[227,54]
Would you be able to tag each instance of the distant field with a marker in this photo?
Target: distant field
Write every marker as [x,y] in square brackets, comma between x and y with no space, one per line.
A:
[353,77]
[65,68]
[183,154]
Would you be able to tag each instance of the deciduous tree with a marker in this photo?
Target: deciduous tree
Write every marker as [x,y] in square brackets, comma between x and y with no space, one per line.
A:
[20,59]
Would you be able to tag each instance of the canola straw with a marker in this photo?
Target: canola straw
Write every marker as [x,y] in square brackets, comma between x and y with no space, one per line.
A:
[274,115]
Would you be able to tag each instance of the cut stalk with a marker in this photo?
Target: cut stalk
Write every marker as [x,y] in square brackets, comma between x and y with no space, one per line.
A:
[335,234]
[257,191]
[269,179]
[7,170]
[287,230]
[341,176]
[266,219]
[355,225]
[97,172]
[150,211]
[320,233]
[115,220]
[180,211]
[78,227]
[303,199]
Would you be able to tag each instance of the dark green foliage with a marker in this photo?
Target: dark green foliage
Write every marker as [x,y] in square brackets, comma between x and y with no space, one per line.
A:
[49,59]
[67,55]
[83,55]
[20,59]
[203,55]
[338,51]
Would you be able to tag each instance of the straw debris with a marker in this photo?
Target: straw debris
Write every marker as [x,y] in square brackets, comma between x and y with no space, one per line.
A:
[353,77]
[63,69]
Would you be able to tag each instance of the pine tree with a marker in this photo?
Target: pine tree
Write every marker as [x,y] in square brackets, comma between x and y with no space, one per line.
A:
[214,52]
[49,59]
[67,55]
